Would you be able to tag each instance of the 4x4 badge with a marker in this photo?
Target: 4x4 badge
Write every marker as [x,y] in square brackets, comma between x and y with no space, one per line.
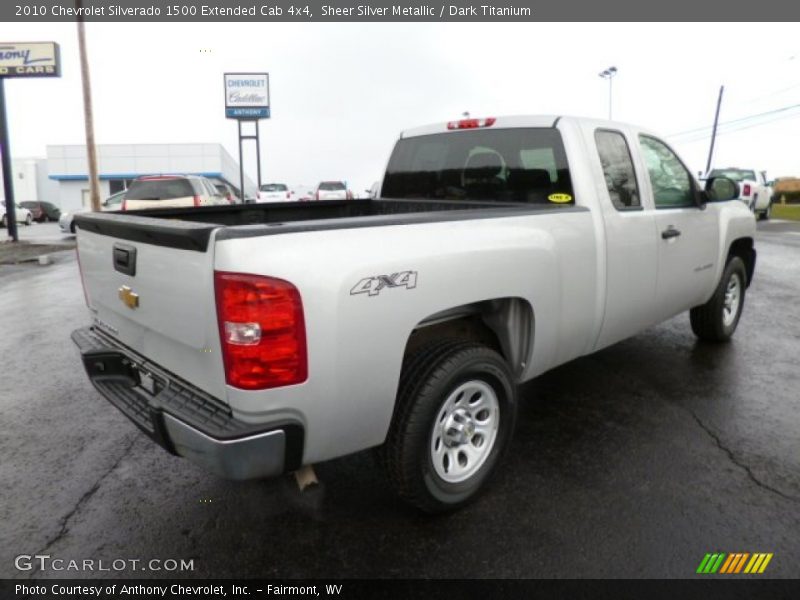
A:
[129,297]
[372,286]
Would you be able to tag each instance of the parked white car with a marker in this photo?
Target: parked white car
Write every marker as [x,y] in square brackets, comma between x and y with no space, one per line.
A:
[274,192]
[332,190]
[498,249]
[23,214]
[67,219]
[755,191]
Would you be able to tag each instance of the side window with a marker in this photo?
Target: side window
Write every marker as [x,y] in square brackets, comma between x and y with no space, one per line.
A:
[671,182]
[615,157]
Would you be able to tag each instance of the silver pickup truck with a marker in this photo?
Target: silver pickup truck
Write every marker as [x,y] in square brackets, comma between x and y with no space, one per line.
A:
[255,339]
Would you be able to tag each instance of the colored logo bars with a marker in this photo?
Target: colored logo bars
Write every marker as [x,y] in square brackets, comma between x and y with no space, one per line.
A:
[734,563]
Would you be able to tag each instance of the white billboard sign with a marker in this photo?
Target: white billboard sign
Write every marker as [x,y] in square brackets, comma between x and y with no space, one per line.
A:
[247,95]
[29,59]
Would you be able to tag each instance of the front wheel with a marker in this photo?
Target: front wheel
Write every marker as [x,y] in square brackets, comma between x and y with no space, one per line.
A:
[454,419]
[716,320]
[766,213]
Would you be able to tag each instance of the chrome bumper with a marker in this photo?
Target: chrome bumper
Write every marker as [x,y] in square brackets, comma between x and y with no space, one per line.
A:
[184,420]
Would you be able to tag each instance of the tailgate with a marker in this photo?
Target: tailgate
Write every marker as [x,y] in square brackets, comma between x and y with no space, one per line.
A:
[154,292]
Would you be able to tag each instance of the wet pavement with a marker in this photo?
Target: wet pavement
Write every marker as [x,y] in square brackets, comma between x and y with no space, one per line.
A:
[633,462]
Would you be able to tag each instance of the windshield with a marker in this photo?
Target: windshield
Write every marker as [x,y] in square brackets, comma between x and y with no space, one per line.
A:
[735,174]
[507,165]
[273,187]
[331,186]
[159,189]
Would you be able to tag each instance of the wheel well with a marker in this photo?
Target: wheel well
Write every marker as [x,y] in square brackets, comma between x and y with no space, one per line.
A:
[743,248]
[503,324]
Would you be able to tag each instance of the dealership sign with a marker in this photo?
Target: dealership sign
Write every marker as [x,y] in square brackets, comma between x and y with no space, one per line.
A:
[29,59]
[247,95]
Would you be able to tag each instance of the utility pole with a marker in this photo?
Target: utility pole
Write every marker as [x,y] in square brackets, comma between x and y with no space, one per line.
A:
[714,130]
[88,119]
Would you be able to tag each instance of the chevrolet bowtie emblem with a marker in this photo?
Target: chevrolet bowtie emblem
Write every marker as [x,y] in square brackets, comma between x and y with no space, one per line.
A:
[129,297]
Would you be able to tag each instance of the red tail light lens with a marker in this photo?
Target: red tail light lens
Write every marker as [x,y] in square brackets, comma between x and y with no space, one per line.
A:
[197,200]
[471,123]
[317,195]
[124,205]
[288,195]
[746,189]
[262,331]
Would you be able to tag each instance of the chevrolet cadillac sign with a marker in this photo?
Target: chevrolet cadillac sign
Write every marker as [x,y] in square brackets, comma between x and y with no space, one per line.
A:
[29,59]
[247,95]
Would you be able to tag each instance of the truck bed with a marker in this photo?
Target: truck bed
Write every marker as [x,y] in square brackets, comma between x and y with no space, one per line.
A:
[190,228]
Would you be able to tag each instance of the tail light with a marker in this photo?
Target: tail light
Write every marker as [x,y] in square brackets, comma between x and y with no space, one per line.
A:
[746,189]
[316,196]
[288,195]
[471,123]
[349,195]
[124,205]
[262,331]
[197,200]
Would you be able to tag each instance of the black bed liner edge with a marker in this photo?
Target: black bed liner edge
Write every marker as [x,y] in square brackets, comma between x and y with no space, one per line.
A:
[169,231]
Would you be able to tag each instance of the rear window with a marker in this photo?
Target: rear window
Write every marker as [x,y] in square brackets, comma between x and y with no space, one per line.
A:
[273,187]
[159,189]
[331,186]
[735,174]
[507,165]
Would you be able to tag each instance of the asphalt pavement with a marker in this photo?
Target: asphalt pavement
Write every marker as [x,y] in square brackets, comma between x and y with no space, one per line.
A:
[632,462]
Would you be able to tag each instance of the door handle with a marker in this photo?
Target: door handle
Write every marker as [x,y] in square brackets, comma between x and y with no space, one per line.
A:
[670,232]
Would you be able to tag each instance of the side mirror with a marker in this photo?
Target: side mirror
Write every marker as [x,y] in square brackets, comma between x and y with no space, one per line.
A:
[721,189]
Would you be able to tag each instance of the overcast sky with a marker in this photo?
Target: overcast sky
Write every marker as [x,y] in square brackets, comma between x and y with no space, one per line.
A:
[341,93]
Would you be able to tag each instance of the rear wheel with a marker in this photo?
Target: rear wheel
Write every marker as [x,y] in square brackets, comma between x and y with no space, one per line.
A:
[716,320]
[454,420]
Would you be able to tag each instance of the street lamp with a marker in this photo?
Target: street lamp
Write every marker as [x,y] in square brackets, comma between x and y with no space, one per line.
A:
[609,74]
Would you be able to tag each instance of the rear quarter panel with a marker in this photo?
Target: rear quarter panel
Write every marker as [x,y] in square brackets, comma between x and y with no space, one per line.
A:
[356,342]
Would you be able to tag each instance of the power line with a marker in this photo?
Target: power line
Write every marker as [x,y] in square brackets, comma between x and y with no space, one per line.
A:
[741,127]
[739,120]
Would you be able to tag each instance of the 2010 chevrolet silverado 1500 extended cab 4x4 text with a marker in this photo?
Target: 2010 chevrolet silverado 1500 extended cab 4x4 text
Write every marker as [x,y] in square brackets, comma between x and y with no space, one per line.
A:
[256,339]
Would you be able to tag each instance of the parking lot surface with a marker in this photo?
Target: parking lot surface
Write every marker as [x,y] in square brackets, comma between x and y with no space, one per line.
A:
[632,462]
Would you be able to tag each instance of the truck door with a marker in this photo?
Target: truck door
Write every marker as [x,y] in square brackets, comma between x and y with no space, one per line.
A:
[630,243]
[687,235]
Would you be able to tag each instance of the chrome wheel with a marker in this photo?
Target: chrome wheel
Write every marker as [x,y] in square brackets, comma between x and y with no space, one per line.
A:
[465,431]
[733,296]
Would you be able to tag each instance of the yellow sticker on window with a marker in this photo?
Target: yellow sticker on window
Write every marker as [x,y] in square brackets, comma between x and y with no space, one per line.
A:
[559,198]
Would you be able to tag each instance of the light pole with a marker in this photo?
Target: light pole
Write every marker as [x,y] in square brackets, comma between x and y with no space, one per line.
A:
[609,74]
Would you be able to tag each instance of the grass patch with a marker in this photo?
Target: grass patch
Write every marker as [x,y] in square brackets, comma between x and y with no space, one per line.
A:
[786,211]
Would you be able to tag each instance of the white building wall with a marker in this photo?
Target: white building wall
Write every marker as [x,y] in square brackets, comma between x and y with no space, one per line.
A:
[67,166]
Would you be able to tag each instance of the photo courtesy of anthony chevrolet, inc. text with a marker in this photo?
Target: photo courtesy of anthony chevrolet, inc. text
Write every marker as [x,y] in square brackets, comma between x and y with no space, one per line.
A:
[399,299]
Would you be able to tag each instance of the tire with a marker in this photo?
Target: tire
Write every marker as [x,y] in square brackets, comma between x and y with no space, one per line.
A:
[28,220]
[716,320]
[766,213]
[453,422]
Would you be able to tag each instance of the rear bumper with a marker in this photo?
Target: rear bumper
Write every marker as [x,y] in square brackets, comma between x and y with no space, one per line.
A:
[184,420]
